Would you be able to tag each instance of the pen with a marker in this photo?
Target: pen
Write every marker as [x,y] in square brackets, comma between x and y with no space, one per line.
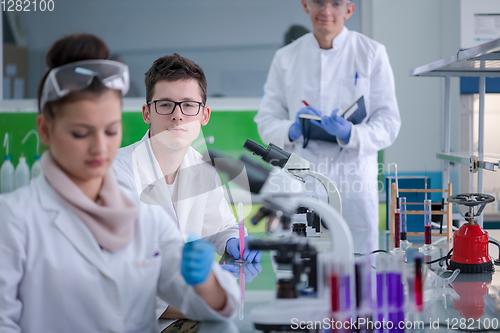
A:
[356,78]
[305,103]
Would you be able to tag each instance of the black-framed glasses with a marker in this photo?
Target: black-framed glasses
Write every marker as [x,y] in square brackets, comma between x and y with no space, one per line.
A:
[166,107]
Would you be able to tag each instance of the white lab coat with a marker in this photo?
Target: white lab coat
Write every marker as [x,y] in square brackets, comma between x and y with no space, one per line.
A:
[326,79]
[54,277]
[201,207]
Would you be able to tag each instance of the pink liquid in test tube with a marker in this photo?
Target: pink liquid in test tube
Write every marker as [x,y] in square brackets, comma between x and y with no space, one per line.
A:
[241,225]
[419,304]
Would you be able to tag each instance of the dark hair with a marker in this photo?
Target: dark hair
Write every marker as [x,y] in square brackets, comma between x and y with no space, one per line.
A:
[174,68]
[70,49]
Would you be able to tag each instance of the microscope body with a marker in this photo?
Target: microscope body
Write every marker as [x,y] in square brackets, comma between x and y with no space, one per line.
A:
[282,196]
[300,167]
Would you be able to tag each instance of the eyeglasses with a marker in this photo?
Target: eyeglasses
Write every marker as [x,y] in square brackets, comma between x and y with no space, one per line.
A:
[79,75]
[166,107]
[336,5]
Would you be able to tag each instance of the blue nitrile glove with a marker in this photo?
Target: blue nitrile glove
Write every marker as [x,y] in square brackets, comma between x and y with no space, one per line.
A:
[251,270]
[233,248]
[335,125]
[197,258]
[295,131]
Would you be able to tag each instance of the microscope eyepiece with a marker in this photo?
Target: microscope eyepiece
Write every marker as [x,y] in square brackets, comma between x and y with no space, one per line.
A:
[273,155]
[255,148]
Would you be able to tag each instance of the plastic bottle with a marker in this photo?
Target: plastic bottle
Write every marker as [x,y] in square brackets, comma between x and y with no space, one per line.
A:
[22,173]
[36,168]
[6,175]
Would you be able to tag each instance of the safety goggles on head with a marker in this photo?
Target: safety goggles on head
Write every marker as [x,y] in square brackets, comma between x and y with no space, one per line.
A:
[338,6]
[77,76]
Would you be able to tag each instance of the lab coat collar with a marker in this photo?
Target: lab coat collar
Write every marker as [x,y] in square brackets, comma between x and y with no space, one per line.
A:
[187,162]
[189,178]
[70,225]
[337,43]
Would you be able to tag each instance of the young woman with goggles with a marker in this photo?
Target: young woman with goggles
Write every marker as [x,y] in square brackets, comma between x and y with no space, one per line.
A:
[77,253]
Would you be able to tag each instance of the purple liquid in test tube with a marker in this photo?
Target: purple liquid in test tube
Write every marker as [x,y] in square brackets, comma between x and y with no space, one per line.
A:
[345,293]
[380,290]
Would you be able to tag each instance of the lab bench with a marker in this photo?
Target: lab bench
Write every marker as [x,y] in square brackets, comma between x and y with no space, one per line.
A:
[471,299]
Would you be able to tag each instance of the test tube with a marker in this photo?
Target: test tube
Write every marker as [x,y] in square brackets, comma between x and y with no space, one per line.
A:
[332,276]
[428,247]
[242,293]
[364,282]
[405,244]
[397,232]
[338,275]
[427,222]
[397,229]
[380,303]
[241,226]
[419,304]
[395,290]
[402,208]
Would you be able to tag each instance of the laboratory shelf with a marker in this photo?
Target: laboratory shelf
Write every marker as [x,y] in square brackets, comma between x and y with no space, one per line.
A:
[485,161]
[484,58]
[481,61]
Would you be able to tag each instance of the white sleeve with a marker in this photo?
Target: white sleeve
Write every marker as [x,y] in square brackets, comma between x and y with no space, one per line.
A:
[272,119]
[13,258]
[218,216]
[382,127]
[173,288]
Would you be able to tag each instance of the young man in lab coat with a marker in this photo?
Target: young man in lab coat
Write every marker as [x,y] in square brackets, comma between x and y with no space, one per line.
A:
[165,170]
[331,68]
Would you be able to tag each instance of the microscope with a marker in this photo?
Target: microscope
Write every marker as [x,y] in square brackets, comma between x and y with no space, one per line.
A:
[282,194]
[278,206]
[299,167]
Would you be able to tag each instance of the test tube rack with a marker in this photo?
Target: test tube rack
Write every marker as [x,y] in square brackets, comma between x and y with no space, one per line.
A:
[448,212]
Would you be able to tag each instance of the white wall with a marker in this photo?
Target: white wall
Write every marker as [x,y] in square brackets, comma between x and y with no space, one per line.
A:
[480,22]
[233,40]
[416,33]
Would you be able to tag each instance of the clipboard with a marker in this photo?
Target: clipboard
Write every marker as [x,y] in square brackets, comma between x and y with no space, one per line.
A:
[355,113]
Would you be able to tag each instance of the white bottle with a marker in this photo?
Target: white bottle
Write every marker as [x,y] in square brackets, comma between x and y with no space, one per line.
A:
[22,173]
[6,175]
[36,168]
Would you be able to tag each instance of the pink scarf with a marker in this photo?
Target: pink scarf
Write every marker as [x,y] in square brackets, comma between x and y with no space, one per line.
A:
[111,219]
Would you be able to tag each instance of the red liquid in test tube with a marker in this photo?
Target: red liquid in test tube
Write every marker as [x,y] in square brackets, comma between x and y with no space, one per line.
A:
[397,229]
[427,222]
[428,234]
[335,292]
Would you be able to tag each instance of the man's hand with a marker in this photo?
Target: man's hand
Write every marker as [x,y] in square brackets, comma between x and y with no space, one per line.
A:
[335,125]
[233,248]
[295,131]
[251,270]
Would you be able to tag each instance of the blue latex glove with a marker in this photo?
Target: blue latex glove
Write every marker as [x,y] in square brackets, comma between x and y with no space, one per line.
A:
[251,270]
[295,131]
[197,258]
[233,248]
[336,125]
